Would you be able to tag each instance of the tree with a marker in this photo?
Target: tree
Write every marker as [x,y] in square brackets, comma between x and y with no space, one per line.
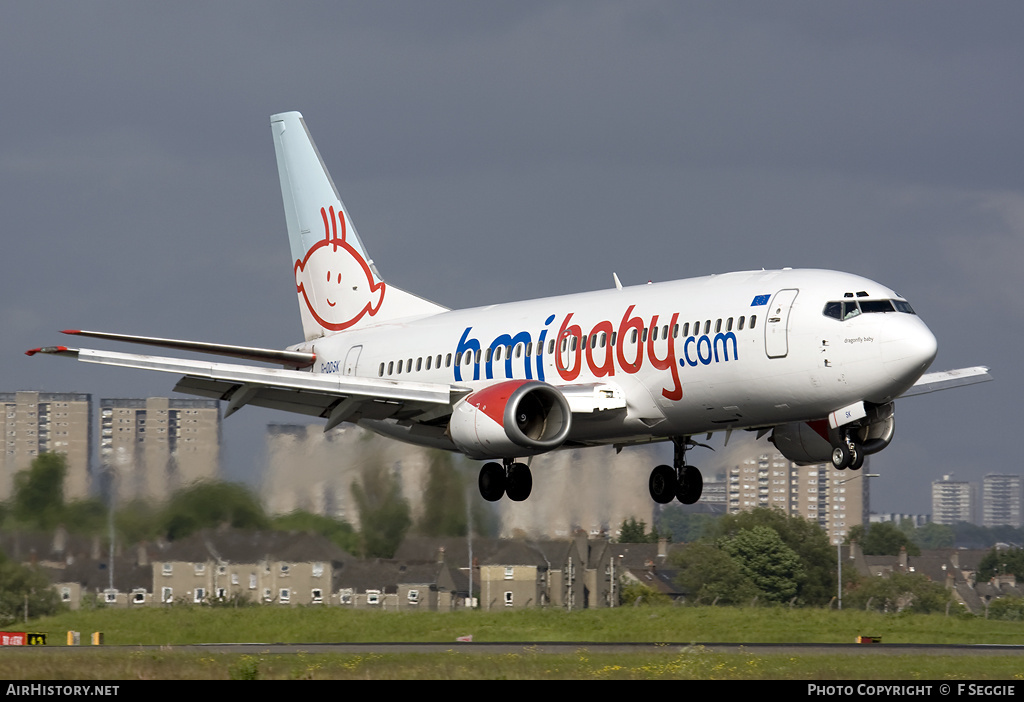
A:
[208,504]
[900,592]
[444,500]
[1001,562]
[772,566]
[708,574]
[21,586]
[39,492]
[338,531]
[882,539]
[383,512]
[932,535]
[808,540]
[634,532]
[685,526]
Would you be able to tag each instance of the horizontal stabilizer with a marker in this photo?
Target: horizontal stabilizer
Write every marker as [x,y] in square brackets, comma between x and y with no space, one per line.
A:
[291,359]
[943,380]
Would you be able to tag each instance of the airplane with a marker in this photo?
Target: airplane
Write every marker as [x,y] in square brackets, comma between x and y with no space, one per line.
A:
[816,358]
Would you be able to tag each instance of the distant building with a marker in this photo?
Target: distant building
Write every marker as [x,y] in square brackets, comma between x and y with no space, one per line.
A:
[952,501]
[1001,500]
[762,477]
[151,447]
[38,422]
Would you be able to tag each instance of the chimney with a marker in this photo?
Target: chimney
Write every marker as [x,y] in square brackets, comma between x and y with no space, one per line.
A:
[60,540]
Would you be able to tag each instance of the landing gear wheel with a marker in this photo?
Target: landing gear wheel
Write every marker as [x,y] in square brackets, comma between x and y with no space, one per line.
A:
[841,457]
[492,481]
[858,458]
[663,484]
[519,482]
[691,485]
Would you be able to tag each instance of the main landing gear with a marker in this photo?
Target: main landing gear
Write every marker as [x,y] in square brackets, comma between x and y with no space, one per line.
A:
[512,479]
[678,481]
[847,454]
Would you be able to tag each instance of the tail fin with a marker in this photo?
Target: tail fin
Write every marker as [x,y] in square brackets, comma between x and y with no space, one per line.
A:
[337,284]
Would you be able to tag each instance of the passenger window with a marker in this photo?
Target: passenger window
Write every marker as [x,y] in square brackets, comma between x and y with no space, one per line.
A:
[686,329]
[429,359]
[707,327]
[742,320]
[391,367]
[718,327]
[380,373]
[419,363]
[399,368]
[753,320]
[448,361]
[728,325]
[551,347]
[675,332]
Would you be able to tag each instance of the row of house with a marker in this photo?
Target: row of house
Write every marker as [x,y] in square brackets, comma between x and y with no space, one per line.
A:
[228,566]
[232,566]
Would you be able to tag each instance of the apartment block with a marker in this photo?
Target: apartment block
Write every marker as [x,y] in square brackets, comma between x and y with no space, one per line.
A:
[952,501]
[1001,500]
[37,422]
[151,447]
[834,499]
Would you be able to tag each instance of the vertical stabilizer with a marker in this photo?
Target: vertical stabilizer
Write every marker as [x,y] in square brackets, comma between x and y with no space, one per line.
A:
[337,284]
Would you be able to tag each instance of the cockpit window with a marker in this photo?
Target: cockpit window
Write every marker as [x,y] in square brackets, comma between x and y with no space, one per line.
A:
[847,309]
[869,306]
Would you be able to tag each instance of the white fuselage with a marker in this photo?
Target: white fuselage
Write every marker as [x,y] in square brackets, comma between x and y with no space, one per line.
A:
[737,350]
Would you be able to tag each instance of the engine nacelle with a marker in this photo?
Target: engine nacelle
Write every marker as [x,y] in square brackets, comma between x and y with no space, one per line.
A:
[511,419]
[807,443]
[804,443]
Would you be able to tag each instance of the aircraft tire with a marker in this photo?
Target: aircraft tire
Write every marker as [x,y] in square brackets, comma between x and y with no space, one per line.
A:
[492,482]
[691,485]
[662,484]
[519,482]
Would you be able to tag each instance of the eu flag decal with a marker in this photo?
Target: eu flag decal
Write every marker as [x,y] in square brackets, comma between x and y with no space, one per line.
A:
[760,300]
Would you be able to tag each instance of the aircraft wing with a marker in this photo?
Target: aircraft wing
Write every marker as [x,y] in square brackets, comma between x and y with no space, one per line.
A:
[335,397]
[943,380]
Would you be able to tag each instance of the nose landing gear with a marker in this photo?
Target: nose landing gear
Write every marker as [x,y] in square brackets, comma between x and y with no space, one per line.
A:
[679,481]
[848,454]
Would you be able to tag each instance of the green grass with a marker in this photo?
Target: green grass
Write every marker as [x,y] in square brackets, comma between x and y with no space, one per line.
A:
[184,625]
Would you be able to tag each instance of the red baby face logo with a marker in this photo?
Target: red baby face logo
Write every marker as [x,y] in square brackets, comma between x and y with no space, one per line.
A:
[334,281]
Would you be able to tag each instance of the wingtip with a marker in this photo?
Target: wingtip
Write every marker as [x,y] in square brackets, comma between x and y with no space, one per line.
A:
[70,331]
[47,349]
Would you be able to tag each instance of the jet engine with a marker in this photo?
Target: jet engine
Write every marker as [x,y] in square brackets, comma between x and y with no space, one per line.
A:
[807,443]
[510,419]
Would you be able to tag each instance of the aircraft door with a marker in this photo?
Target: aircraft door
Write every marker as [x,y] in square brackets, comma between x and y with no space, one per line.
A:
[776,328]
[352,360]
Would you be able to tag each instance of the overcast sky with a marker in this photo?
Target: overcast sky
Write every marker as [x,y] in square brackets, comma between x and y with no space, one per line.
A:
[490,151]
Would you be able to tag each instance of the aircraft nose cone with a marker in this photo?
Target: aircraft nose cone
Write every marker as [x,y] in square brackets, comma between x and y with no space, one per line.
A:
[909,352]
